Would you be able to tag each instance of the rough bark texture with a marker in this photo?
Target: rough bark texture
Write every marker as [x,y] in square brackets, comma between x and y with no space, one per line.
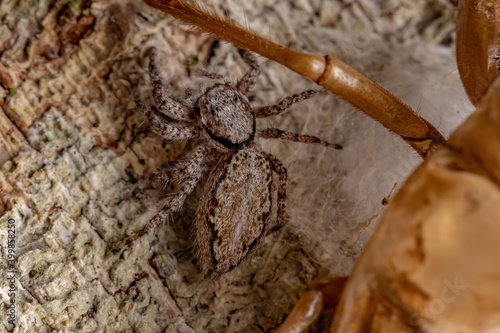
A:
[74,156]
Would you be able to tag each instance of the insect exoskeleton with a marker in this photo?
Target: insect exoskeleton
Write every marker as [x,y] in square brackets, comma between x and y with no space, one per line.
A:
[233,216]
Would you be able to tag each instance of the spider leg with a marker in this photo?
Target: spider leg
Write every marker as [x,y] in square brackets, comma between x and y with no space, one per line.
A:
[280,169]
[189,98]
[162,127]
[197,166]
[250,78]
[287,102]
[274,133]
[166,105]
[181,170]
[211,75]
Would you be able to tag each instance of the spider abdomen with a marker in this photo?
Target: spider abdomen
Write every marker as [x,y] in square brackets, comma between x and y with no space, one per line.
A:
[234,210]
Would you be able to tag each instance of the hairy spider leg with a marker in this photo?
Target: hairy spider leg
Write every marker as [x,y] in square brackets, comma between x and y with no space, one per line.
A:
[278,167]
[166,105]
[211,75]
[166,130]
[285,104]
[197,168]
[184,168]
[250,78]
[275,133]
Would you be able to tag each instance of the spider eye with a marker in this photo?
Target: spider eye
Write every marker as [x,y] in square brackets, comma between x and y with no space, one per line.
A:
[215,110]
[237,99]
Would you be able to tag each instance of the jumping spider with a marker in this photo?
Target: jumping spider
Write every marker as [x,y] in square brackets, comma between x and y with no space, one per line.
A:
[233,213]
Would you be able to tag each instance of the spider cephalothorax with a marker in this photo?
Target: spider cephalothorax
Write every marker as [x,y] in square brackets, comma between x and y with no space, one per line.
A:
[226,115]
[234,210]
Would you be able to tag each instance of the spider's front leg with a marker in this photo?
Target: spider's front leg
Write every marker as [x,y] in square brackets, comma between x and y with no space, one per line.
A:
[166,105]
[188,174]
[161,126]
[250,78]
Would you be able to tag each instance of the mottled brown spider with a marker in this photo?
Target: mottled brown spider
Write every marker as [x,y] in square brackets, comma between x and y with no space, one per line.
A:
[234,209]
